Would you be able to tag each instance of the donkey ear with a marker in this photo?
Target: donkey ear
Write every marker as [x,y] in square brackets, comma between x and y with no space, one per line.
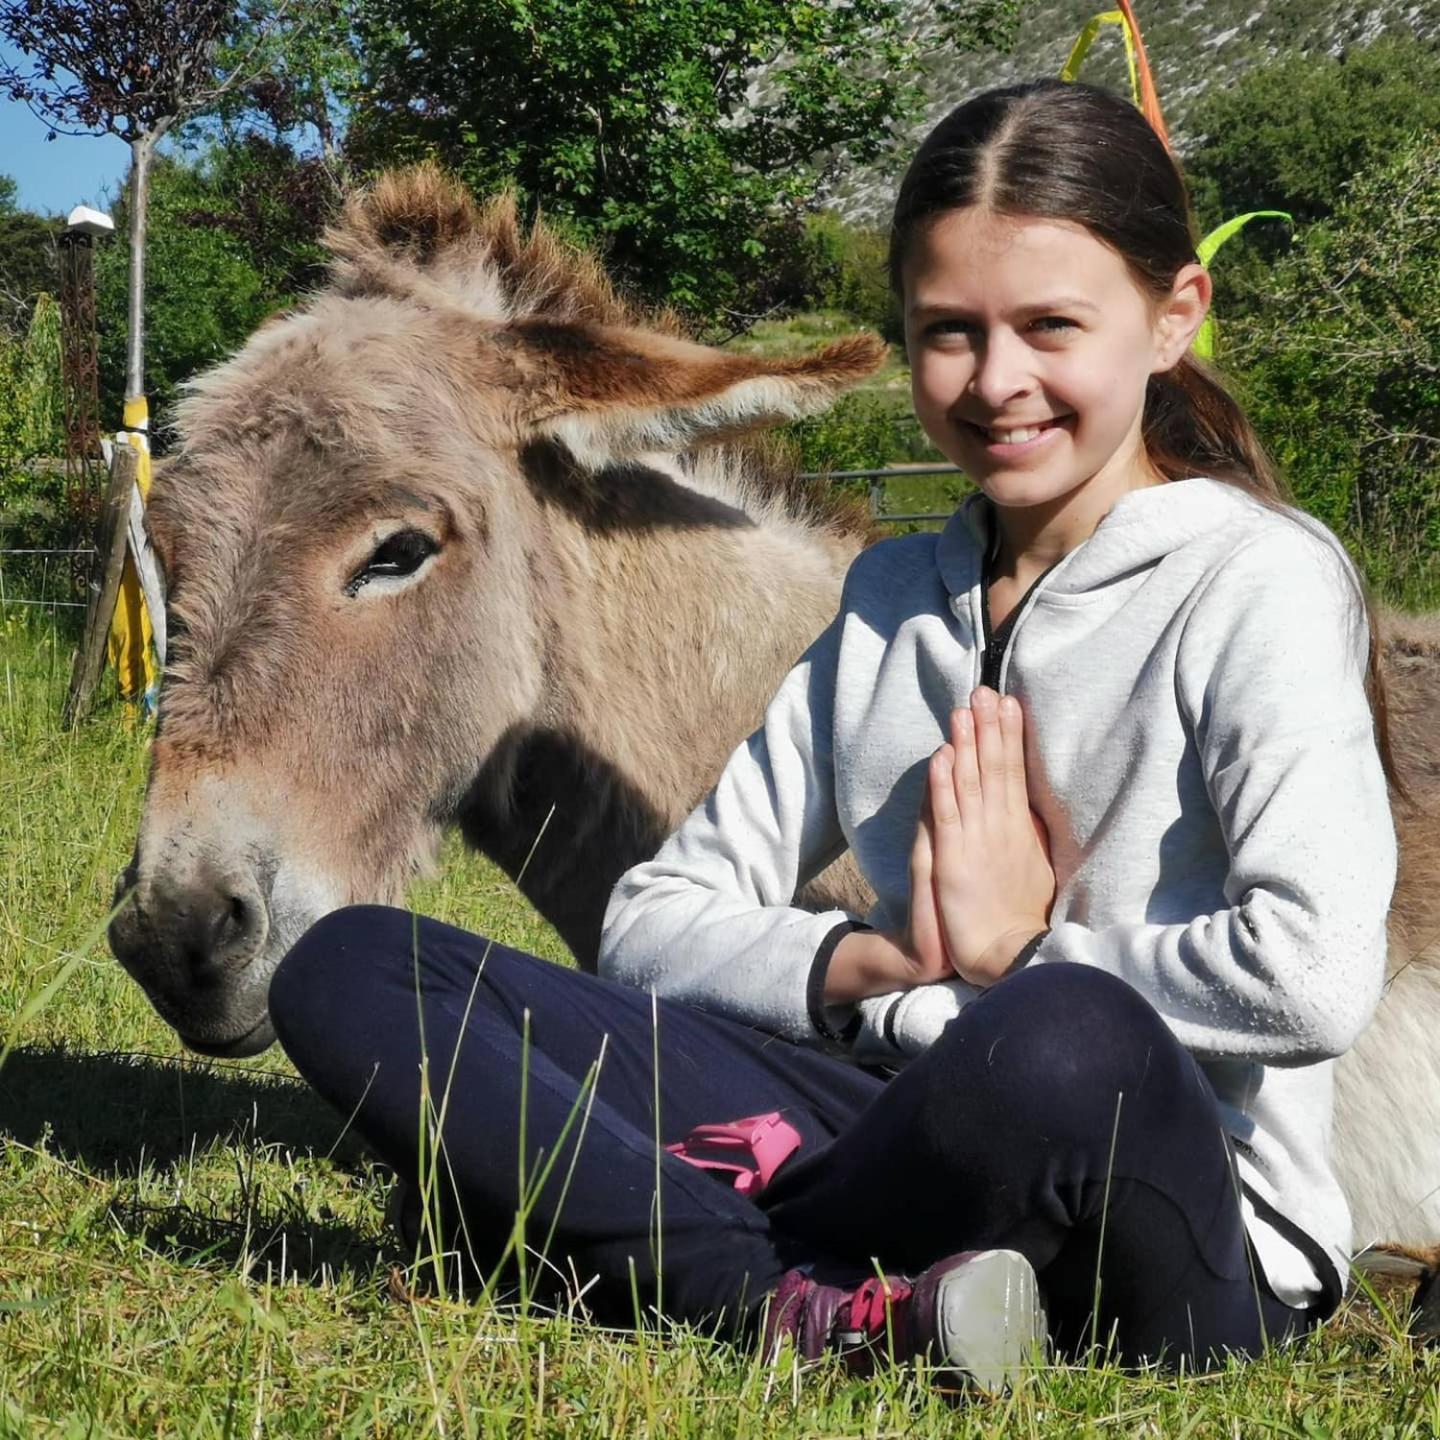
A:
[610,394]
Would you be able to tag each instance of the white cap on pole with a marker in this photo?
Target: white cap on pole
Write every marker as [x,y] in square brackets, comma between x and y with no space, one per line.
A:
[85,221]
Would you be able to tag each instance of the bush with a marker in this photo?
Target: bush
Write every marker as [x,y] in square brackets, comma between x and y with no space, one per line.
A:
[862,431]
[27,258]
[1340,370]
[232,238]
[31,404]
[848,272]
[670,134]
[1292,135]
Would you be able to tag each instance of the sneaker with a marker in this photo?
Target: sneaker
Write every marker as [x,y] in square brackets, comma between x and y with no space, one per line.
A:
[978,1315]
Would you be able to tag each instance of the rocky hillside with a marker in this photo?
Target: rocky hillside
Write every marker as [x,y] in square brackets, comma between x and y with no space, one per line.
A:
[1193,45]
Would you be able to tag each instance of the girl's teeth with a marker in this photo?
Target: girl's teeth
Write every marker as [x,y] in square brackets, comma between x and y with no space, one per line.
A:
[1014,437]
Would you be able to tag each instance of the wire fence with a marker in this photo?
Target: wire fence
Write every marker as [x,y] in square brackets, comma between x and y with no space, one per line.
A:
[46,551]
[44,577]
[879,479]
[64,586]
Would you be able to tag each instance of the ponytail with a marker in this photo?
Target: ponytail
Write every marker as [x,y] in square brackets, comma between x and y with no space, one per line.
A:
[1192,426]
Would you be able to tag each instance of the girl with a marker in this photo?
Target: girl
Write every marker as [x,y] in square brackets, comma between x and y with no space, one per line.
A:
[1102,748]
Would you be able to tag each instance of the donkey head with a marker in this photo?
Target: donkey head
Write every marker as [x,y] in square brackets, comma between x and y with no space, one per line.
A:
[353,535]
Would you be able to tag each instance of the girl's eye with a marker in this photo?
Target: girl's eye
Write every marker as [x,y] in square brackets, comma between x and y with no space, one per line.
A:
[950,327]
[395,557]
[1055,324]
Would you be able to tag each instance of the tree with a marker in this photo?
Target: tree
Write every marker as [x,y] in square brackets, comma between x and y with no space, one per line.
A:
[1292,135]
[301,77]
[1340,370]
[27,258]
[234,237]
[683,137]
[135,69]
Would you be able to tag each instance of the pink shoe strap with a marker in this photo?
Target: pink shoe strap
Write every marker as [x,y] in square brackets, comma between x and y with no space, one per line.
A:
[750,1150]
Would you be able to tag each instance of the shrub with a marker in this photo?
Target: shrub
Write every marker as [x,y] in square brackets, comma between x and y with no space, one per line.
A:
[1340,370]
[862,431]
[233,237]
[31,405]
[847,272]
[1291,135]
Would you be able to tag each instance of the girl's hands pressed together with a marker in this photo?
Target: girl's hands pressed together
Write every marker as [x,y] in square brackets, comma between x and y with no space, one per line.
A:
[981,885]
[877,962]
[993,881]
[923,941]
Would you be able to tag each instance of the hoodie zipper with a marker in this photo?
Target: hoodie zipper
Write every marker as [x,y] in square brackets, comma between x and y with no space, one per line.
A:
[993,667]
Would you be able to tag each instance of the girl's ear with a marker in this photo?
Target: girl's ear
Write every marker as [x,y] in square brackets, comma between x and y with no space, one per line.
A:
[1180,316]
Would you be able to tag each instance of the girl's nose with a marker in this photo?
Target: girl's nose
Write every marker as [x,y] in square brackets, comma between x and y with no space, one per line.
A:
[1002,370]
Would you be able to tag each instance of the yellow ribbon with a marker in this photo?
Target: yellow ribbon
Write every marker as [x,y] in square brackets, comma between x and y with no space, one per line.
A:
[1142,81]
[1086,39]
[1204,345]
[1147,100]
[131,633]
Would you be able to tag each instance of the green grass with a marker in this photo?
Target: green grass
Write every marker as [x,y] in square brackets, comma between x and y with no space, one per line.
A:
[194,1249]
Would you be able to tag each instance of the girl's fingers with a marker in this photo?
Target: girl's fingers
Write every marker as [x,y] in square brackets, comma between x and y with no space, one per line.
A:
[941,809]
[989,747]
[922,856]
[966,774]
[1012,744]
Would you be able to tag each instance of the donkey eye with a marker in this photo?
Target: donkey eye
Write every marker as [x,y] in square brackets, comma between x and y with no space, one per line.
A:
[396,556]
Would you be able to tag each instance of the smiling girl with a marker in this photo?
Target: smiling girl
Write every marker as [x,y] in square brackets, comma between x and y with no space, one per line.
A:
[1104,751]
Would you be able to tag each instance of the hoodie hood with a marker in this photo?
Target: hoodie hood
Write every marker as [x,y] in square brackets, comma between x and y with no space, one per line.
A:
[1141,528]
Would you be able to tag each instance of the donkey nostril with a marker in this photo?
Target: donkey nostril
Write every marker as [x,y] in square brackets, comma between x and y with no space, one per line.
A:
[232,923]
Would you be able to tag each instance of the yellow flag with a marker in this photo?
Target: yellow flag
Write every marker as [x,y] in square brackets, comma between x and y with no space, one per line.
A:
[131,633]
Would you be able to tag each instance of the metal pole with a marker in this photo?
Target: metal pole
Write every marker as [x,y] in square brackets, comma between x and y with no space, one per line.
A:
[79,372]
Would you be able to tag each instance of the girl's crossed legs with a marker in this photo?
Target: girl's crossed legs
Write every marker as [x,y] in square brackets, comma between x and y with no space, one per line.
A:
[1057,1116]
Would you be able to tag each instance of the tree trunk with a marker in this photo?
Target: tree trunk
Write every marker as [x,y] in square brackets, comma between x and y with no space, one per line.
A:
[142,150]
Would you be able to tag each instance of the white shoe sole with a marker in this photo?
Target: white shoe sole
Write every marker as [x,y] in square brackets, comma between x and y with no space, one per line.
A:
[989,1320]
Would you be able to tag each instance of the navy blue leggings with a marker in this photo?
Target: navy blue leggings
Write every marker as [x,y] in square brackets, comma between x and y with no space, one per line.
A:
[1056,1116]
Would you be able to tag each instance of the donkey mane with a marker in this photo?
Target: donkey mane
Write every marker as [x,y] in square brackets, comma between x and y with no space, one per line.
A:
[418,234]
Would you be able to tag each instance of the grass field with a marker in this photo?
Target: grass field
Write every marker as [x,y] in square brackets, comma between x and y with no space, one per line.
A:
[194,1249]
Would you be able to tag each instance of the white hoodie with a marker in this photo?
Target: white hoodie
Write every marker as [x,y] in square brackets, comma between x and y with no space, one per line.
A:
[1200,748]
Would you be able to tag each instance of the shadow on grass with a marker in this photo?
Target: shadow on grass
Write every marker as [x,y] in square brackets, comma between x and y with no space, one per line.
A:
[116,1113]
[289,1245]
[116,1116]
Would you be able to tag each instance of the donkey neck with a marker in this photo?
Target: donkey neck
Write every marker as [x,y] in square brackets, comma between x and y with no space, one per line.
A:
[688,633]
[664,643]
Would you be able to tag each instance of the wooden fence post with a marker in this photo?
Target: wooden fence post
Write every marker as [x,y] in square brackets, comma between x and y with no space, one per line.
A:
[104,585]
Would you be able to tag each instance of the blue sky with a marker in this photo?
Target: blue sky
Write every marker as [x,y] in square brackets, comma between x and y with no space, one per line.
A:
[69,170]
[66,171]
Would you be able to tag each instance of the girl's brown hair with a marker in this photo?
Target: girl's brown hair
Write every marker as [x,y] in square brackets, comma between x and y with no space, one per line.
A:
[1070,152]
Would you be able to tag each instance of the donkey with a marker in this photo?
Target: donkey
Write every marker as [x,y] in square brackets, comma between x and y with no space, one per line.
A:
[434,558]
[468,540]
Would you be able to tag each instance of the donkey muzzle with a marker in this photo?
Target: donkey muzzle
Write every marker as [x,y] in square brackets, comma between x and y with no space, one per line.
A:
[191,938]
